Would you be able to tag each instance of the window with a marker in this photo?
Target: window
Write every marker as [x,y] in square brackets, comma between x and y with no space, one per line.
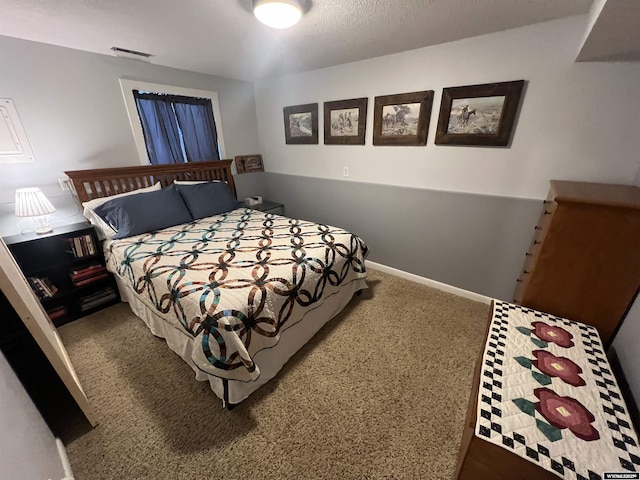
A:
[176,128]
[173,124]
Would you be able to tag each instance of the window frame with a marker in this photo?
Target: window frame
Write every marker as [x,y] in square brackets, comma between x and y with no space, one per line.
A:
[129,85]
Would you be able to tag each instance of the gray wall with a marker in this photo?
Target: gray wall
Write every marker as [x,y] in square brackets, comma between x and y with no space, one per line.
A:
[71,106]
[576,121]
[475,242]
[249,184]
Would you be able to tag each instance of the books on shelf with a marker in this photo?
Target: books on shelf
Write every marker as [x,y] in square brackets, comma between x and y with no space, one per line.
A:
[57,312]
[42,287]
[89,274]
[86,281]
[82,246]
[87,270]
[97,298]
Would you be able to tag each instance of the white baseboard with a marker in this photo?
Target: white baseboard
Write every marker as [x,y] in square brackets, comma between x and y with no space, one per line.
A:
[428,282]
[62,452]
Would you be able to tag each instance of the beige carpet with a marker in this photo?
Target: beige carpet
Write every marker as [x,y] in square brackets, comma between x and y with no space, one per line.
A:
[380,393]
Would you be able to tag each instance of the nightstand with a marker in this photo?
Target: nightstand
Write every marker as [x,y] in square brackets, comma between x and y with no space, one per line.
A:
[66,271]
[269,207]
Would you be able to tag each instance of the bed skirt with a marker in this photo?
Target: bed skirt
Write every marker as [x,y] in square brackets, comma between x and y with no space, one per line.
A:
[269,360]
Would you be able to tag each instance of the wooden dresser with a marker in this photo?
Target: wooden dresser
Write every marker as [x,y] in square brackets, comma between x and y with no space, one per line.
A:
[584,261]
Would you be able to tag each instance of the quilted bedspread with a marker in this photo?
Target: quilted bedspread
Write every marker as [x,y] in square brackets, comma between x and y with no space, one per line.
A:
[547,393]
[233,282]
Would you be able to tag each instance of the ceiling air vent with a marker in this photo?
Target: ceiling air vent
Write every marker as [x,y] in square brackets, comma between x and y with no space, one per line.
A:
[132,54]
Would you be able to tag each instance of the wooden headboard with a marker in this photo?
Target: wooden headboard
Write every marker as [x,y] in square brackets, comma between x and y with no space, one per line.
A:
[104,182]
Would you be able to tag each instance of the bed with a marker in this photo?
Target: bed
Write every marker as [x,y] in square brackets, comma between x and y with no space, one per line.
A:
[234,294]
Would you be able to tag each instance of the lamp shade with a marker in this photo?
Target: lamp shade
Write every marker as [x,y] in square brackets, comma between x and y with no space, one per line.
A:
[277,13]
[31,202]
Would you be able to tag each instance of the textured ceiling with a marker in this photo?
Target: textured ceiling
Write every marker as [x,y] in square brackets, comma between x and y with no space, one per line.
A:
[221,37]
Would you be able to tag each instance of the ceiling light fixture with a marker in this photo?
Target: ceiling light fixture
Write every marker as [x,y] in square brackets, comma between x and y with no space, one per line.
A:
[277,13]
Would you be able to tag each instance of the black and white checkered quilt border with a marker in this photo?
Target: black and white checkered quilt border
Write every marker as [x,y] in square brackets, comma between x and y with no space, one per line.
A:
[489,420]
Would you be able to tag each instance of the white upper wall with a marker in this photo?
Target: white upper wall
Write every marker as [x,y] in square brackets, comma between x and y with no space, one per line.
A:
[74,115]
[577,121]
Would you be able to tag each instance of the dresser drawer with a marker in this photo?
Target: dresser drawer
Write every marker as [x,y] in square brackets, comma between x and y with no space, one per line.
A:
[531,256]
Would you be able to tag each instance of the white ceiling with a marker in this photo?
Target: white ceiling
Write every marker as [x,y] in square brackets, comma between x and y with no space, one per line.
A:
[221,37]
[615,32]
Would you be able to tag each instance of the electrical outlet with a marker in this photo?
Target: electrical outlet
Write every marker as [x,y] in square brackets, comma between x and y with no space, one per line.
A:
[345,172]
[64,184]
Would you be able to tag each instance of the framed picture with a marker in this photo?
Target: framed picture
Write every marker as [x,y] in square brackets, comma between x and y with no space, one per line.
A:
[249,163]
[345,122]
[402,119]
[301,124]
[478,114]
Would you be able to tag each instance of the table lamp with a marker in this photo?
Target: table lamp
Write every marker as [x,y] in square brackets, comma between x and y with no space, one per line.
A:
[31,202]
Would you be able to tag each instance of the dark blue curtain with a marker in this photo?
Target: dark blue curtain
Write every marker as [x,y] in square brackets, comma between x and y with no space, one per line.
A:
[160,128]
[198,128]
[177,129]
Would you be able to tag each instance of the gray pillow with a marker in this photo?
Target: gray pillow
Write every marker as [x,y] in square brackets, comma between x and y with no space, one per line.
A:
[207,199]
[144,212]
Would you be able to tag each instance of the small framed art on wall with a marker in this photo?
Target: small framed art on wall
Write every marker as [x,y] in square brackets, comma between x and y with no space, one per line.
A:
[402,119]
[249,163]
[478,114]
[301,124]
[345,121]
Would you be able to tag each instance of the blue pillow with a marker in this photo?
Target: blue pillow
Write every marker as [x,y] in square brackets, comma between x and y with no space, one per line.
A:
[144,212]
[207,199]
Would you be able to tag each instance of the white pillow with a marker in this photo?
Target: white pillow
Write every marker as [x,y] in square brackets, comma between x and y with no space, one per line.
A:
[103,228]
[193,182]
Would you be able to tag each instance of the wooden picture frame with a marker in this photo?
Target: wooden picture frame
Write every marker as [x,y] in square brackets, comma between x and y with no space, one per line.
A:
[301,124]
[249,163]
[478,114]
[402,119]
[345,121]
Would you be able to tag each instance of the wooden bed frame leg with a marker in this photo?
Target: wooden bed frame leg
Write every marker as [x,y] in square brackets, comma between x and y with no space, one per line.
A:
[225,395]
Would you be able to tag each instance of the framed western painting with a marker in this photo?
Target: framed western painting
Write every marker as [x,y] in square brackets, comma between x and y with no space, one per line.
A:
[301,124]
[345,122]
[249,163]
[402,119]
[478,114]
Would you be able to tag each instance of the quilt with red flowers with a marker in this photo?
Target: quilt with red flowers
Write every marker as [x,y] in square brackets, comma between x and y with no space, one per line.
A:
[547,393]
